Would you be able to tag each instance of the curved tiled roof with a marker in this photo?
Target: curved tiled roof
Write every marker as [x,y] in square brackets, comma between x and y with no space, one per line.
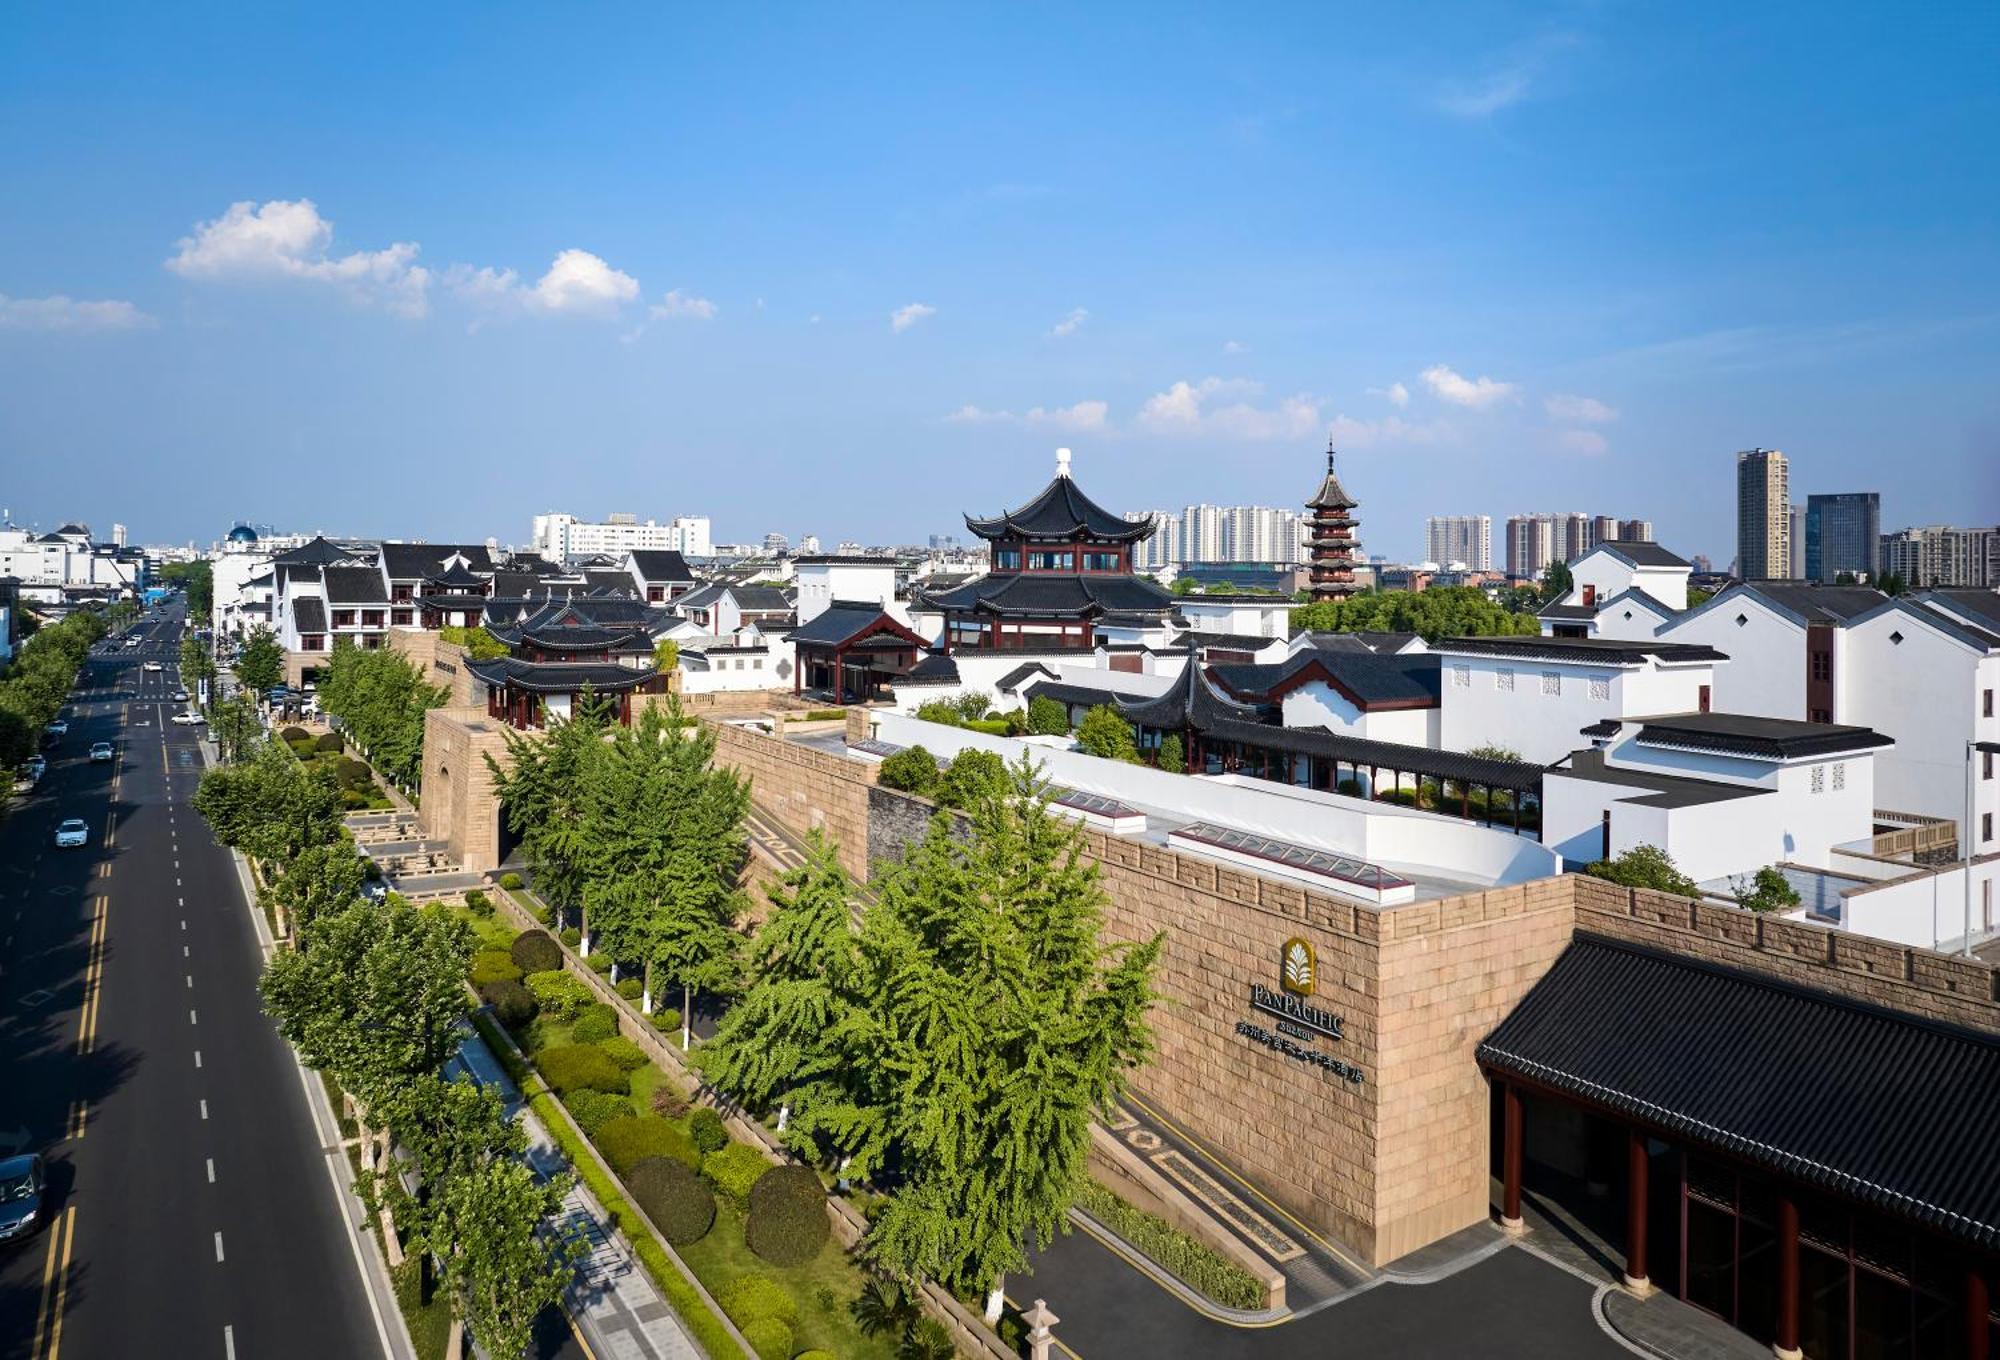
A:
[1061,511]
[559,677]
[1194,701]
[1035,594]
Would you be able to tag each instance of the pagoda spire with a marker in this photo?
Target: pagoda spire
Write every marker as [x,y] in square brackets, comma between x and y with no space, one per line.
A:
[1330,535]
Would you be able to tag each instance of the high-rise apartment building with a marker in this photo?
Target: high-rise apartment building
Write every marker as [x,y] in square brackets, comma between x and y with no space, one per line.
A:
[1536,540]
[1460,538]
[1940,555]
[1635,531]
[1763,515]
[1533,541]
[1843,534]
[1219,533]
[1795,535]
[557,536]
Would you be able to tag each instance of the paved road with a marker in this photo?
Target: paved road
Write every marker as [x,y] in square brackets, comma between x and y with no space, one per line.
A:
[193,1214]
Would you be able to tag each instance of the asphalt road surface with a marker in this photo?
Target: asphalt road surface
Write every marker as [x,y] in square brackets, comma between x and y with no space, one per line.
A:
[191,1211]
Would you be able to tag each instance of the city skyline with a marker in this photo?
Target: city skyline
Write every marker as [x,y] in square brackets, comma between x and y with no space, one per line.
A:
[660,291]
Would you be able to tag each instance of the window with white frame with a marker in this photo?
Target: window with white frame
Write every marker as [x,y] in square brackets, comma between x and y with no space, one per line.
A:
[1819,779]
[1839,776]
[1503,679]
[1461,677]
[1600,688]
[1552,682]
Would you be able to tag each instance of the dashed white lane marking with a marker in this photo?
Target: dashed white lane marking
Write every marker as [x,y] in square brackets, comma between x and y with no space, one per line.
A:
[197,1057]
[218,1248]
[190,978]
[228,1343]
[184,924]
[204,1109]
[192,1020]
[184,951]
[211,1171]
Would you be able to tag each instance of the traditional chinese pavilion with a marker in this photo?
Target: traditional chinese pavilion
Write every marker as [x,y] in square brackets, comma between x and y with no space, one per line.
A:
[562,650]
[1330,536]
[1061,563]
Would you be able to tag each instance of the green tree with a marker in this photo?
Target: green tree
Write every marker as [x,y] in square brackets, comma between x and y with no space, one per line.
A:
[1173,759]
[1891,583]
[1047,718]
[319,880]
[196,664]
[1698,597]
[541,792]
[990,1027]
[1767,890]
[1556,582]
[775,1046]
[910,770]
[380,699]
[666,656]
[479,644]
[1104,732]
[261,663]
[1184,586]
[1442,611]
[972,777]
[1645,866]
[499,1265]
[197,579]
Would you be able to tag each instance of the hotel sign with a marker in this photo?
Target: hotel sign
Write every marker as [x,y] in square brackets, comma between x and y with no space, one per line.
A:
[1299,1024]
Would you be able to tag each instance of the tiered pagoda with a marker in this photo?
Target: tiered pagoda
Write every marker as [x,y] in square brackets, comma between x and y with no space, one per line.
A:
[1330,537]
[1061,563]
[564,649]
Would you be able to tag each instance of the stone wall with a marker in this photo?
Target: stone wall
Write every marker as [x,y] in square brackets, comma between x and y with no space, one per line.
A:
[803,788]
[456,801]
[442,663]
[896,821]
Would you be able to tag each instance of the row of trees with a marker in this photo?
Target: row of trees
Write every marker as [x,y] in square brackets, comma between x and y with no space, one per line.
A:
[197,581]
[38,682]
[260,662]
[1443,611]
[957,1045]
[635,831]
[373,995]
[380,698]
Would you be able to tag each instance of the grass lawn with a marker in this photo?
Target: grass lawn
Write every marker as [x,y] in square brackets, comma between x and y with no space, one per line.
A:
[823,1286]
[491,932]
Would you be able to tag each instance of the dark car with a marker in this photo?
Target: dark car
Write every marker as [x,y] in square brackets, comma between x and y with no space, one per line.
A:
[22,1185]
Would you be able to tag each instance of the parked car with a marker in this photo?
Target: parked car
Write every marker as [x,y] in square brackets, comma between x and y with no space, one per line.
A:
[37,766]
[58,728]
[71,834]
[22,1185]
[103,750]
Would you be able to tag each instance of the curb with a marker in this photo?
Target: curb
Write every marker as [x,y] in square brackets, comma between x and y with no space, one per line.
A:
[1173,1284]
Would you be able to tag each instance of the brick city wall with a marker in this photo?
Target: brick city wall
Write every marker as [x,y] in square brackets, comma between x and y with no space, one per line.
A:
[456,801]
[803,788]
[442,663]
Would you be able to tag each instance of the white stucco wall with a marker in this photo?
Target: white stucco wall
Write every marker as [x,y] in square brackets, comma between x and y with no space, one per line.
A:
[1544,727]
[1928,909]
[1766,671]
[1318,704]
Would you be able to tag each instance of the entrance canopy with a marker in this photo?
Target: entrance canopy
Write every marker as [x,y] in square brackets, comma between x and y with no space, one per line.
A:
[1881,1107]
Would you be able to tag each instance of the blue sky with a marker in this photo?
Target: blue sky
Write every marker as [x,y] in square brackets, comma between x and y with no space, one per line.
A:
[852,271]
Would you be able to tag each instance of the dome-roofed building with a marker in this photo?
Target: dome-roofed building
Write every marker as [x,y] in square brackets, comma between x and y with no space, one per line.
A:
[242,533]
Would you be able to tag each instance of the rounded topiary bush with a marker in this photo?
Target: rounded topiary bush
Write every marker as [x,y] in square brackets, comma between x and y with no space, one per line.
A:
[513,1005]
[749,1298]
[536,952]
[734,1169]
[558,994]
[510,881]
[478,903]
[327,741]
[594,1109]
[627,1054]
[627,1142]
[594,1024]
[770,1338]
[666,1018]
[352,774]
[787,1223]
[493,965]
[706,1127]
[572,937]
[599,963]
[631,988]
[291,734]
[680,1204]
[581,1067]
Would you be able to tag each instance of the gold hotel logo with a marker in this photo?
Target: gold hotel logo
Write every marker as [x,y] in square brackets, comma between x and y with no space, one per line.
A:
[1299,969]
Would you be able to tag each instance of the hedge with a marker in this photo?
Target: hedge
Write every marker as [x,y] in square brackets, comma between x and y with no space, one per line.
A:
[512,1003]
[666,1018]
[594,1109]
[679,1202]
[557,993]
[478,903]
[598,962]
[667,1276]
[291,734]
[627,1142]
[581,1067]
[511,881]
[627,1054]
[1197,1264]
[493,965]
[753,1297]
[594,1023]
[787,1223]
[770,1338]
[631,988]
[536,952]
[705,1126]
[327,741]
[734,1170]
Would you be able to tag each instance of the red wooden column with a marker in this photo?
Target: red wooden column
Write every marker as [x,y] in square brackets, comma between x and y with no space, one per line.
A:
[1636,1167]
[1510,1159]
[1785,1345]
[1978,1303]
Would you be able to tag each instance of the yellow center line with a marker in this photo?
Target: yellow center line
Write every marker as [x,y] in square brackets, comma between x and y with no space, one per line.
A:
[55,1288]
[93,977]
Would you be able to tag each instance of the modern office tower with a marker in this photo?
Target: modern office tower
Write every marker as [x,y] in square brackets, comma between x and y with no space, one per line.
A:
[1763,515]
[1843,534]
[1940,555]
[1460,538]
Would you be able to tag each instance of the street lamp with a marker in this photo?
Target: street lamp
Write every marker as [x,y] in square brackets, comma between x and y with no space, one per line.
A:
[1971,747]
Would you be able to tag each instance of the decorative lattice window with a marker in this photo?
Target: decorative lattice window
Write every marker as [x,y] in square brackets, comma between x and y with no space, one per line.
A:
[1742,619]
[1839,777]
[1819,779]
[1461,677]
[1600,688]
[1503,679]
[1552,682]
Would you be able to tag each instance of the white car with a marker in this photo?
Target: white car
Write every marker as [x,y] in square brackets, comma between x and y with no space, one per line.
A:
[72,833]
[103,750]
[58,728]
[152,666]
[180,696]
[188,719]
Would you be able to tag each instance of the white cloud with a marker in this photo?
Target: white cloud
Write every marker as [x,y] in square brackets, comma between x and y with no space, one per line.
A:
[1349,433]
[903,318]
[1235,347]
[1587,410]
[677,305]
[1395,394]
[1583,441]
[1070,324]
[288,240]
[1083,416]
[973,415]
[1453,387]
[1225,406]
[577,283]
[61,313]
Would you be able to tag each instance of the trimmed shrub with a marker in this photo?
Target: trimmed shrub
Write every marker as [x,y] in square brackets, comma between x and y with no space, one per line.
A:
[680,1204]
[666,1019]
[478,903]
[354,800]
[668,1101]
[513,1005]
[536,952]
[595,1109]
[1191,1260]
[628,1055]
[787,1223]
[595,1023]
[350,773]
[706,1128]
[288,735]
[581,1067]
[493,965]
[631,988]
[511,881]
[770,1338]
[558,994]
[599,963]
[1047,717]
[571,936]
[734,1170]
[913,770]
[630,1140]
[328,741]
[972,777]
[749,1298]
